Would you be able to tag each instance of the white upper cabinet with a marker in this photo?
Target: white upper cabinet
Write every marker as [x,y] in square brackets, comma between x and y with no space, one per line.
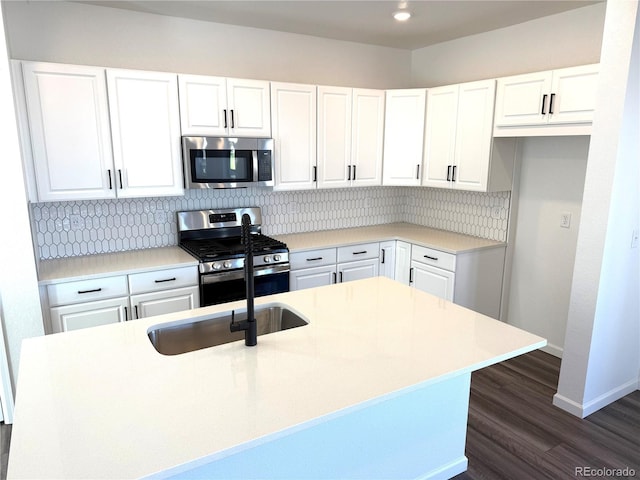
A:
[551,98]
[403,136]
[460,151]
[334,137]
[217,106]
[350,135]
[367,135]
[68,120]
[293,116]
[145,128]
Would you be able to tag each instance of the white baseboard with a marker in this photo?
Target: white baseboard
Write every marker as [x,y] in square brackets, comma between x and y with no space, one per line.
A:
[583,410]
[552,349]
[447,471]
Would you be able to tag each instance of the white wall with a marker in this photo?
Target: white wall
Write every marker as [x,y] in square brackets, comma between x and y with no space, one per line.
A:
[19,299]
[562,40]
[90,35]
[602,348]
[551,181]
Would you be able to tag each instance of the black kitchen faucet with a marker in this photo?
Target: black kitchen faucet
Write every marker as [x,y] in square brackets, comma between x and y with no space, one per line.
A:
[249,325]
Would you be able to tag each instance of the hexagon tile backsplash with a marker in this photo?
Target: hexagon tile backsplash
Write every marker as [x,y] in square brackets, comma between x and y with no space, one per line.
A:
[67,229]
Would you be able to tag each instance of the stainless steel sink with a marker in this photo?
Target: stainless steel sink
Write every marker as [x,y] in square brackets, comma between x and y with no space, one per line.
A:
[186,337]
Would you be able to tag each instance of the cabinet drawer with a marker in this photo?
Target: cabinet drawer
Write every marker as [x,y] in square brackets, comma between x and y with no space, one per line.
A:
[361,251]
[87,290]
[433,257]
[163,279]
[312,258]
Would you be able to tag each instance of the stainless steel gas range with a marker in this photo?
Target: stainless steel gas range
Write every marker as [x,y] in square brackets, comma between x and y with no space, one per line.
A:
[214,238]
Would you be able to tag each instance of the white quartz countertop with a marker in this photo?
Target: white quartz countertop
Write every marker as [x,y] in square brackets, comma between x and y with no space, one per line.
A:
[443,240]
[91,266]
[103,403]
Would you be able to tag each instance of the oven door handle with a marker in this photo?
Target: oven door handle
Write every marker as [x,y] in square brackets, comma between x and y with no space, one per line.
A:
[218,277]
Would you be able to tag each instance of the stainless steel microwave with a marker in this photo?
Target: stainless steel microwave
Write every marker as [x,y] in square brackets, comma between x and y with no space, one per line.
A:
[222,162]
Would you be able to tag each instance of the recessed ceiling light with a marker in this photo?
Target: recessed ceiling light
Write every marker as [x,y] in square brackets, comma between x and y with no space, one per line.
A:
[402,15]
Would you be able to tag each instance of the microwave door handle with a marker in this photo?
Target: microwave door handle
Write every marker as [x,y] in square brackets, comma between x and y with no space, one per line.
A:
[254,161]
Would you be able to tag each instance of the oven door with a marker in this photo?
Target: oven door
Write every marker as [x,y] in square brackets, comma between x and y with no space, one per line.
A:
[222,287]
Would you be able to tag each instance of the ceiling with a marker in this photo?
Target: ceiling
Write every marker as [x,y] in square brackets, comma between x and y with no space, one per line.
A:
[362,21]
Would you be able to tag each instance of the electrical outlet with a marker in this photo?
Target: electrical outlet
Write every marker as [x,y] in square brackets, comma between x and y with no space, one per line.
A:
[565,219]
[634,238]
[76,222]
[292,207]
[496,212]
[367,202]
[160,216]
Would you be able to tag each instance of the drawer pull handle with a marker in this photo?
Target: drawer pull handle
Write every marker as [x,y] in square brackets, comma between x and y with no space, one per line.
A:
[435,259]
[90,291]
[383,255]
[166,280]
[136,309]
[411,275]
[334,277]
[314,259]
[360,253]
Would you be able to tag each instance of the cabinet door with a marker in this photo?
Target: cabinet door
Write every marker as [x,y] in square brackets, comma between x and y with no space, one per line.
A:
[440,136]
[146,133]
[334,137]
[293,116]
[203,105]
[574,94]
[249,109]
[312,277]
[403,136]
[474,134]
[357,270]
[403,262]
[433,280]
[90,314]
[520,98]
[69,125]
[165,301]
[387,267]
[367,136]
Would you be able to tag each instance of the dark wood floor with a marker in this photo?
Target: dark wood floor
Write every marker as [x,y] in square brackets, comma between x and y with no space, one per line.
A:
[515,433]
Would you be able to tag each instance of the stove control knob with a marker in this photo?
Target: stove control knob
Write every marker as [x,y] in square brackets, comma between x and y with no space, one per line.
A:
[217,266]
[267,259]
[276,258]
[226,264]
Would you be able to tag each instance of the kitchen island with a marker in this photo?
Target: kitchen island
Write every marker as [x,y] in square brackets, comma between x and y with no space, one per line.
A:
[375,386]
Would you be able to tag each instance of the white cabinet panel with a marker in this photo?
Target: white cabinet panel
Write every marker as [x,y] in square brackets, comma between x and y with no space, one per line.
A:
[203,105]
[249,108]
[387,267]
[359,251]
[403,262]
[334,137]
[165,301]
[293,110]
[440,135]
[433,280]
[574,94]
[90,314]
[350,271]
[403,136]
[82,291]
[312,277]
[313,258]
[69,126]
[146,132]
[163,279]
[519,100]
[367,137]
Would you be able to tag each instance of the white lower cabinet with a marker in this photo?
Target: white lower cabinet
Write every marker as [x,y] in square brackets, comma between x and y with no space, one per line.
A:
[100,301]
[348,272]
[89,314]
[165,301]
[312,277]
[387,266]
[316,268]
[432,280]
